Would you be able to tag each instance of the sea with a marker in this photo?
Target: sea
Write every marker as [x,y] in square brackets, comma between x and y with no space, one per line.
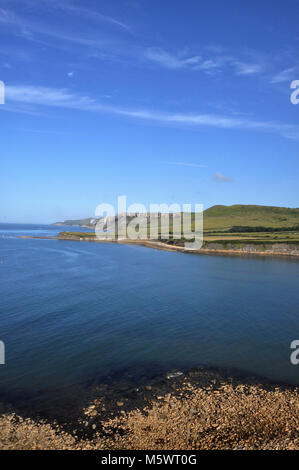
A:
[76,312]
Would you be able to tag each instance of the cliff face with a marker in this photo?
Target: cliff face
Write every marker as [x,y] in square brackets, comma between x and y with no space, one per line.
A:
[253,248]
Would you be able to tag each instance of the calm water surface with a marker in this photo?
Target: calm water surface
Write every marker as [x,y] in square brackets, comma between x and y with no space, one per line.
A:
[73,311]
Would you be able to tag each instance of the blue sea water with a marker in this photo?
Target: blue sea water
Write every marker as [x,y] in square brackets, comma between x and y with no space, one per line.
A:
[74,311]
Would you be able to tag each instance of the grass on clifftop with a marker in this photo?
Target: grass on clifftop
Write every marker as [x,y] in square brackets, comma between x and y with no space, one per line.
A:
[225,217]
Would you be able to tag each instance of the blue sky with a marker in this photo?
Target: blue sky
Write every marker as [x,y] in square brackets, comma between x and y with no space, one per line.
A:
[169,101]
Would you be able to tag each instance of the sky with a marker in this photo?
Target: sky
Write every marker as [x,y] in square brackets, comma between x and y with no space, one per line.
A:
[164,102]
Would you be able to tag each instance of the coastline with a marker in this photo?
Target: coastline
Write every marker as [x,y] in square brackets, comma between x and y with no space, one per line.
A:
[214,248]
[200,408]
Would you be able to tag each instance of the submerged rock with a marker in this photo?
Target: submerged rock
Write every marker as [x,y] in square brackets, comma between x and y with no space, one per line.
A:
[173,375]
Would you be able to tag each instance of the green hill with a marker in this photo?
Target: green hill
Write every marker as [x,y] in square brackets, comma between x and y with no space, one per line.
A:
[230,217]
[225,217]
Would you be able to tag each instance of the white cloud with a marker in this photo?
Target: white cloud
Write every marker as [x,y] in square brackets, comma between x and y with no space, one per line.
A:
[170,61]
[37,32]
[63,98]
[87,13]
[285,76]
[208,65]
[47,97]
[221,178]
[247,69]
[66,7]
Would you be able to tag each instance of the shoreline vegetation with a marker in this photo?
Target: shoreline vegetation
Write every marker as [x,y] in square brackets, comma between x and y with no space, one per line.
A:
[202,408]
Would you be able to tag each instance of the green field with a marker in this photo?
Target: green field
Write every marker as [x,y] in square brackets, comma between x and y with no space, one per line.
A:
[225,217]
[251,224]
[77,234]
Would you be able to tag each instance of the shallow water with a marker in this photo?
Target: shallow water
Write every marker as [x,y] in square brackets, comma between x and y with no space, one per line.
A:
[75,311]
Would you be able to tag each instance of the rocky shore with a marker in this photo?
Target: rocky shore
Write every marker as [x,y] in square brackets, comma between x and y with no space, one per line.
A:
[196,409]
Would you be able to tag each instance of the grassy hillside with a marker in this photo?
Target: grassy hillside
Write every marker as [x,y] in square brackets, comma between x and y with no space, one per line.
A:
[236,218]
[225,217]
[243,224]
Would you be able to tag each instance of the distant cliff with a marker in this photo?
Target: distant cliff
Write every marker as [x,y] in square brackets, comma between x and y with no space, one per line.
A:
[89,222]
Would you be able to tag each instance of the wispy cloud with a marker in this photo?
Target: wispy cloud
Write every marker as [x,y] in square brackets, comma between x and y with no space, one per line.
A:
[100,43]
[48,97]
[66,7]
[8,17]
[221,178]
[105,46]
[29,28]
[87,13]
[286,75]
[63,98]
[39,131]
[192,165]
[197,62]
[243,68]
[171,61]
